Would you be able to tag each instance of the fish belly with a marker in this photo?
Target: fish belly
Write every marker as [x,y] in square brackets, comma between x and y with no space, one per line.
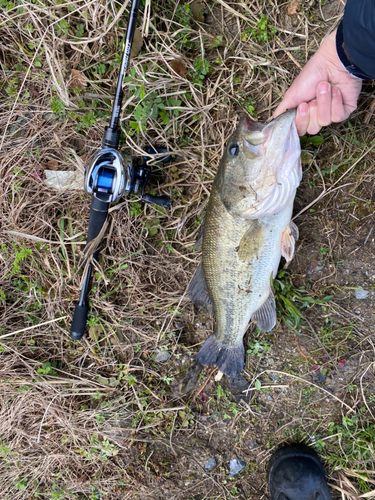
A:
[238,287]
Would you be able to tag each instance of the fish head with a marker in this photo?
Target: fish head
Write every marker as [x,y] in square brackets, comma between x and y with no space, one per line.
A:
[261,167]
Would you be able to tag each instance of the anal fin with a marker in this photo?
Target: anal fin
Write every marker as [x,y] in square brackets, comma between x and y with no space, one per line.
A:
[265,316]
[198,292]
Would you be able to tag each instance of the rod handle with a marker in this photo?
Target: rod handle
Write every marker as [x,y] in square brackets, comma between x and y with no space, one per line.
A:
[79,322]
[98,215]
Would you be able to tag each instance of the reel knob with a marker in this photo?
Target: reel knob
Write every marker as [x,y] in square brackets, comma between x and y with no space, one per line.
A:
[163,201]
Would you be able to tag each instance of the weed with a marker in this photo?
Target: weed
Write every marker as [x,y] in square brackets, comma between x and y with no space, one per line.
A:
[258,348]
[324,251]
[21,484]
[21,254]
[286,295]
[151,107]
[135,209]
[262,33]
[48,368]
[354,444]
[101,449]
[201,68]
[62,27]
[220,392]
[58,107]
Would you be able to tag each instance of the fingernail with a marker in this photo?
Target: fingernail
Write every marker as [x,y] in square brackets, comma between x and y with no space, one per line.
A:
[323,87]
[335,91]
[303,109]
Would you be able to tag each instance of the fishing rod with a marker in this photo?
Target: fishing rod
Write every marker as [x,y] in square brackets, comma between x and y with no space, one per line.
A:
[108,177]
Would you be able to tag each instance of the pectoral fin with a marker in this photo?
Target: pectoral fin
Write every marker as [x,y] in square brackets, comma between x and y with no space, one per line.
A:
[288,241]
[251,242]
[265,316]
[198,291]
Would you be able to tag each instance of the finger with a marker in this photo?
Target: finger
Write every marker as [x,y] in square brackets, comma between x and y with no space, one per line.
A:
[293,97]
[313,127]
[323,99]
[338,111]
[302,118]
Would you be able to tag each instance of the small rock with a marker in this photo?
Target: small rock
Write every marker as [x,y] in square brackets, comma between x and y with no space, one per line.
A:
[253,445]
[210,464]
[320,378]
[237,386]
[270,361]
[270,398]
[236,465]
[361,294]
[162,356]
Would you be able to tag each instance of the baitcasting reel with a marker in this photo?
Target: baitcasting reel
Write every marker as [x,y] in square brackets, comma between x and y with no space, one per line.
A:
[109,177]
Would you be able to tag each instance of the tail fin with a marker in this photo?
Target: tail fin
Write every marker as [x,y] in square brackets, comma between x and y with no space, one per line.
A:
[230,361]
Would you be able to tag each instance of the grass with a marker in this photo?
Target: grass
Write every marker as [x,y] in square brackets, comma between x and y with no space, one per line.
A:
[100,418]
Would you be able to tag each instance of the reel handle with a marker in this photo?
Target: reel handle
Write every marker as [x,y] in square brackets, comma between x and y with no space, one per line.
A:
[163,201]
[98,216]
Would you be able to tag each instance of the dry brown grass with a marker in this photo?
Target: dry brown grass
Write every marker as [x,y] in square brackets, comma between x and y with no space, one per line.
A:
[75,428]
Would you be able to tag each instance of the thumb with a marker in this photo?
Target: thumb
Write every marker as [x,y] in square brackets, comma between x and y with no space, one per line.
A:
[303,89]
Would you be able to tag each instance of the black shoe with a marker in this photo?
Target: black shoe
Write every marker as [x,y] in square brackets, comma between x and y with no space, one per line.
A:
[295,473]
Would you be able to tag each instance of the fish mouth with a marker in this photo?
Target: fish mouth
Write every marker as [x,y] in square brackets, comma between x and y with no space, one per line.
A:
[256,135]
[249,125]
[252,135]
[285,122]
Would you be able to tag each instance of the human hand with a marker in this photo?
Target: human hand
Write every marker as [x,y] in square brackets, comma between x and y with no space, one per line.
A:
[324,92]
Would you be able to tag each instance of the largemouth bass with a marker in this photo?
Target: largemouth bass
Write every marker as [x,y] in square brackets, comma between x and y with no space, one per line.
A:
[246,230]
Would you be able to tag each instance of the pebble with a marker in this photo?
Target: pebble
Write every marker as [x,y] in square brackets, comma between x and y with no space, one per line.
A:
[320,378]
[253,445]
[361,294]
[162,356]
[236,465]
[210,464]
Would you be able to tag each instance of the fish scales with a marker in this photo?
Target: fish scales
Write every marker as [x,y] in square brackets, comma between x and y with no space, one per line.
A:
[240,251]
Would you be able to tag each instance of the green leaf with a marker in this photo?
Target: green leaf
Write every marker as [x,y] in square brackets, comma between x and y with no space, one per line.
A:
[140,113]
[257,385]
[135,126]
[291,307]
[316,140]
[217,42]
[164,116]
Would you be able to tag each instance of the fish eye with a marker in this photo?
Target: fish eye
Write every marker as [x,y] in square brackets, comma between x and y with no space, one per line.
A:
[233,149]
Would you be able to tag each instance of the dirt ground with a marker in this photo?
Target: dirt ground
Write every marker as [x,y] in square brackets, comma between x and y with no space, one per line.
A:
[107,417]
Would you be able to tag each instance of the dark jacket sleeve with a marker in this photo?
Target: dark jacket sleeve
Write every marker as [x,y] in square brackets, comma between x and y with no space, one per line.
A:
[355,39]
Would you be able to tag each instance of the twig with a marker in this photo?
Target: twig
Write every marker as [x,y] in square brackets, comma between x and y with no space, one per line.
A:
[300,350]
[32,327]
[204,384]
[306,382]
